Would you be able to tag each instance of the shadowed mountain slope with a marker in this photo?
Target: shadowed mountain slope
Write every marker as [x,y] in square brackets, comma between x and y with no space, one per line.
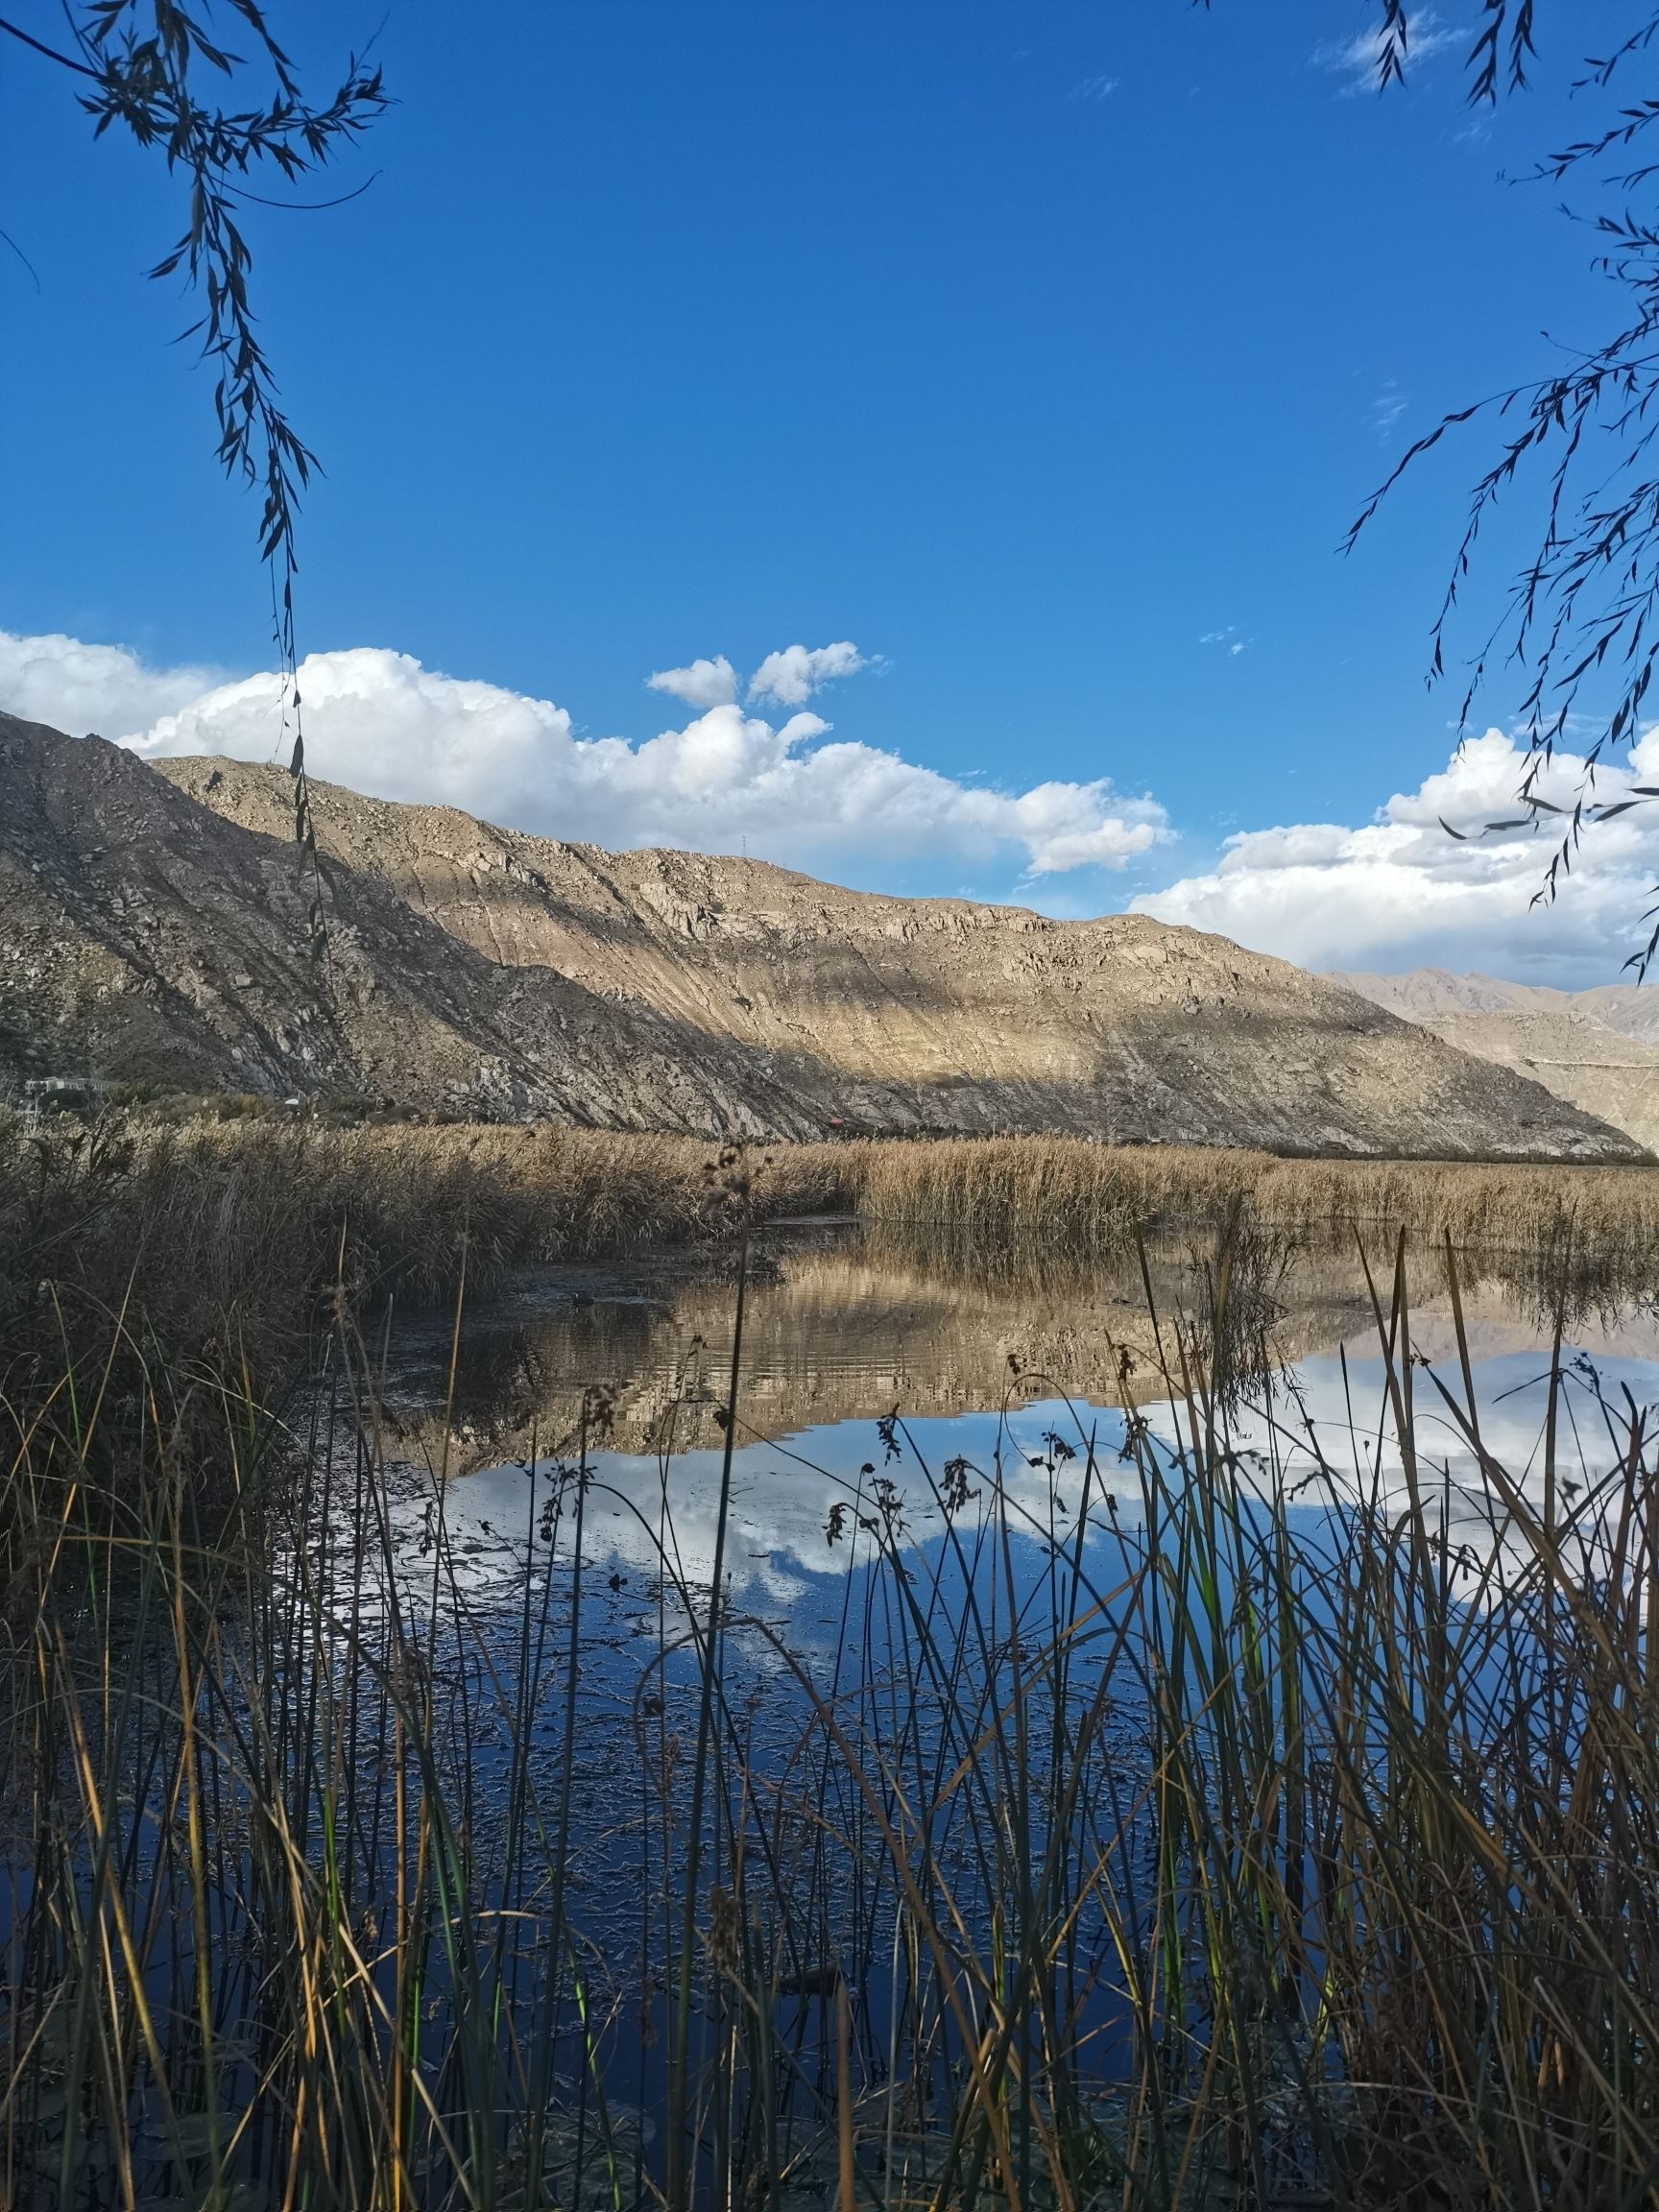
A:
[152,927]
[1599,1049]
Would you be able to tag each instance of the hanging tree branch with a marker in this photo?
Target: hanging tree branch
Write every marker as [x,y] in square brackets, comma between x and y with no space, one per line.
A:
[140,65]
[1580,615]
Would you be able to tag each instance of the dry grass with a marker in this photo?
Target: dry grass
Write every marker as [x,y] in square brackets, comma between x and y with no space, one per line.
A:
[1071,1195]
[221,1236]
[217,1210]
[215,1217]
[1210,1862]
[209,1246]
[1214,1858]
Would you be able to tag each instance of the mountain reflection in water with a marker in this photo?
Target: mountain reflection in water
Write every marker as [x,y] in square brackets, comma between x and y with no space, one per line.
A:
[847,1324]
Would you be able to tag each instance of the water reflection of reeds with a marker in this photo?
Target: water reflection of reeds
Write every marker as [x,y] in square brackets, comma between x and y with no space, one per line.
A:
[853,1319]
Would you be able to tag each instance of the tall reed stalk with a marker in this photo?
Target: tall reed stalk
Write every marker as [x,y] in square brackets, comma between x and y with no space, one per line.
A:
[1182,1815]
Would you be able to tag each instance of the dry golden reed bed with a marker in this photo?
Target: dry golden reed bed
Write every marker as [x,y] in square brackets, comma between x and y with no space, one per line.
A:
[523,1195]
[1231,1857]
[1094,1195]
[190,1224]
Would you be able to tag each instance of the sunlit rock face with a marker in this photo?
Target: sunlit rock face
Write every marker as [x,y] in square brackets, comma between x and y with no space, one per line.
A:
[152,926]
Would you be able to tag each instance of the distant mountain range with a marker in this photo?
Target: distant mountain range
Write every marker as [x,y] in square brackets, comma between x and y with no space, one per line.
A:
[1599,1049]
[152,930]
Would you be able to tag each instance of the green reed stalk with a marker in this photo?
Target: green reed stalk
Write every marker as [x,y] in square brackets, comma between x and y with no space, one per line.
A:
[678,2100]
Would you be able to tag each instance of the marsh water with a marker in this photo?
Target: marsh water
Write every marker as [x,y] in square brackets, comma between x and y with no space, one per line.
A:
[980,1356]
[672,1741]
[928,1448]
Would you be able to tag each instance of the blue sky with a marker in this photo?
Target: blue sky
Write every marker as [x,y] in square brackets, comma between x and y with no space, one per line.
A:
[1043,350]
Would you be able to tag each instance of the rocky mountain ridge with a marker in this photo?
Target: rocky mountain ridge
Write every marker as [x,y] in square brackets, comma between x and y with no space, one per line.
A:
[152,927]
[1599,1049]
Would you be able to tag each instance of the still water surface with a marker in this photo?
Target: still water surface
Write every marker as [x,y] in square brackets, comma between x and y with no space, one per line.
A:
[843,1331]
[1022,1655]
[963,1595]
[885,1397]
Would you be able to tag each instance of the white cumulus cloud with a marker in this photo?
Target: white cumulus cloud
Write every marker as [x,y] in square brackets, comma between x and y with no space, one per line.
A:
[1400,891]
[379,722]
[792,676]
[705,684]
[83,687]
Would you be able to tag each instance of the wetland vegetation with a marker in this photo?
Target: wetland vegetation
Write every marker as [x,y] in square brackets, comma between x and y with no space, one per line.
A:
[1123,1680]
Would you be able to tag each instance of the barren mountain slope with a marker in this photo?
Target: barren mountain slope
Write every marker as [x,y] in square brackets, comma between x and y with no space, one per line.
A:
[1599,1049]
[144,937]
[152,925]
[942,1011]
